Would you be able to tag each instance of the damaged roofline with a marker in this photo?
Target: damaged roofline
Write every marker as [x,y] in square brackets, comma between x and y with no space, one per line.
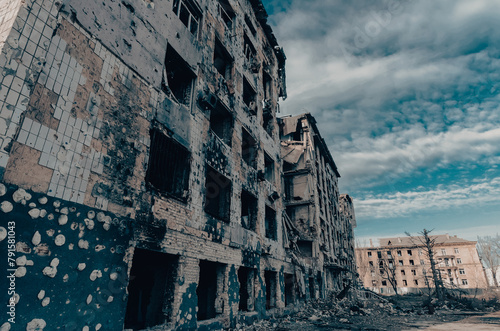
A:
[322,144]
[261,15]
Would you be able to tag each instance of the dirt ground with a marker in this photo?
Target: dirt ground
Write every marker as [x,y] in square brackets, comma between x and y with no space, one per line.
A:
[403,313]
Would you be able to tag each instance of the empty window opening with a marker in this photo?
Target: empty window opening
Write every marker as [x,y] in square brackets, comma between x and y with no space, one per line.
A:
[188,13]
[414,272]
[249,97]
[270,279]
[267,83]
[271,226]
[226,13]
[210,287]
[166,173]
[405,283]
[409,252]
[221,123]
[248,148]
[268,120]
[289,293]
[248,48]
[178,77]
[218,194]
[403,272]
[151,289]
[400,262]
[312,291]
[416,282]
[250,25]
[247,297]
[248,211]
[268,168]
[223,62]
[305,247]
[465,282]
[369,254]
[319,279]
[384,283]
[412,262]
[379,255]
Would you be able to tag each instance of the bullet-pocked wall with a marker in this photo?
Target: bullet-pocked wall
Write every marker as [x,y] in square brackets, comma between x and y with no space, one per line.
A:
[66,264]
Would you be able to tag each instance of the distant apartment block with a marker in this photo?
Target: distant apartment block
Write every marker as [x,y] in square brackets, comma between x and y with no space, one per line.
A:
[456,259]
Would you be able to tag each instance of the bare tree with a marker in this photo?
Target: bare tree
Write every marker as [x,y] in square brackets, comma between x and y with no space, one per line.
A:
[488,248]
[426,242]
[387,268]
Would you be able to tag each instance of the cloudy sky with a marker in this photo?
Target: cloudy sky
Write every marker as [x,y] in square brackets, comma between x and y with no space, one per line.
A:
[407,96]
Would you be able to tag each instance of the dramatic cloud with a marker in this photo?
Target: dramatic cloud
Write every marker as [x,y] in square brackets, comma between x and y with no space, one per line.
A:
[403,91]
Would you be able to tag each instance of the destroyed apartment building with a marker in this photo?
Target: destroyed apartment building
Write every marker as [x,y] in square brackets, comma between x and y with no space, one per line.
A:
[146,181]
[456,260]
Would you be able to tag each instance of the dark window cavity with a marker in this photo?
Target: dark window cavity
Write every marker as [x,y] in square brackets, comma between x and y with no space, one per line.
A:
[178,78]
[218,195]
[188,13]
[223,62]
[169,165]
[221,123]
[271,226]
[248,149]
[151,289]
[249,97]
[248,211]
[210,287]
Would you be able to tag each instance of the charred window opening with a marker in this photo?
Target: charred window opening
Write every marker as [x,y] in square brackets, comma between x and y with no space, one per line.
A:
[249,97]
[178,77]
[188,13]
[249,149]
[218,195]
[268,120]
[248,211]
[289,294]
[209,290]
[319,279]
[267,84]
[226,13]
[248,49]
[221,123]
[223,62]
[169,165]
[268,168]
[271,226]
[250,25]
[247,296]
[312,290]
[270,279]
[305,247]
[151,289]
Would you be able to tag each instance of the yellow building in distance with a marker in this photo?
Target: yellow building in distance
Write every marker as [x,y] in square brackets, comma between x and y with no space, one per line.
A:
[404,261]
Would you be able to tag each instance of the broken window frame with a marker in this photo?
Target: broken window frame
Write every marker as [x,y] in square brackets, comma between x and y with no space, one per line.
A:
[185,85]
[222,123]
[249,97]
[176,170]
[269,168]
[251,210]
[249,276]
[217,202]
[249,148]
[465,282]
[222,60]
[227,13]
[193,18]
[271,223]
[249,50]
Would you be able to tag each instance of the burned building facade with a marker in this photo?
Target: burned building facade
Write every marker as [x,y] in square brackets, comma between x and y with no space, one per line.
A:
[320,219]
[141,174]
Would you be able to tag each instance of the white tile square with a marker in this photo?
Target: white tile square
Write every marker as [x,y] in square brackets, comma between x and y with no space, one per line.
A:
[44,159]
[31,140]
[35,128]
[52,162]
[23,136]
[27,124]
[47,147]
[39,143]
[44,130]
